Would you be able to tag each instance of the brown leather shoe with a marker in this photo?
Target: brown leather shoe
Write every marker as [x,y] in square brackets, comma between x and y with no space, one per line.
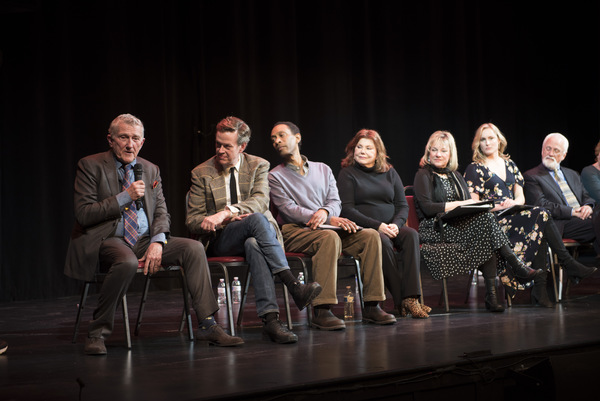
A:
[325,320]
[374,314]
[277,332]
[303,294]
[94,346]
[215,335]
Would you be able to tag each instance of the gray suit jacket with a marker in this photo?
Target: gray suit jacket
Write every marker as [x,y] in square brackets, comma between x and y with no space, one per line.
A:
[208,194]
[97,211]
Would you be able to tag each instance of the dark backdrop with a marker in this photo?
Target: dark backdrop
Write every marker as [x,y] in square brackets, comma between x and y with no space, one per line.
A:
[404,68]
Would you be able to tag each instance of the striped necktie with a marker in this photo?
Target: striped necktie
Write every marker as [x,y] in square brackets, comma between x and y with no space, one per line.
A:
[566,190]
[130,224]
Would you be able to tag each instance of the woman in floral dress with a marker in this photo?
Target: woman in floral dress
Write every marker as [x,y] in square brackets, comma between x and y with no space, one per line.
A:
[530,229]
[461,244]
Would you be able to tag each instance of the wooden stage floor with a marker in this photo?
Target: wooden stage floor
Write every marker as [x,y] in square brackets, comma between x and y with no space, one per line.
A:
[468,354]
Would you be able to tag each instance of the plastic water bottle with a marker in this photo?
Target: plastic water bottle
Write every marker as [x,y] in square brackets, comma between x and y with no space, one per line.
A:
[236,287]
[301,278]
[349,304]
[222,298]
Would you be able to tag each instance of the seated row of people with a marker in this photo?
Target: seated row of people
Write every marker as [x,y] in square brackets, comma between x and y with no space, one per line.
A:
[122,220]
[513,245]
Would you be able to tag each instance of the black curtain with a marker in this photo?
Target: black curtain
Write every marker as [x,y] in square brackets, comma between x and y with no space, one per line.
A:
[403,68]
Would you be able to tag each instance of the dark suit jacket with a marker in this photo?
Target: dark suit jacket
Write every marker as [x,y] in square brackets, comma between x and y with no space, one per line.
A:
[542,190]
[208,194]
[97,211]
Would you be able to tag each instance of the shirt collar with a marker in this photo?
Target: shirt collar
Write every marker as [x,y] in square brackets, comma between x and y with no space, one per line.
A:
[295,168]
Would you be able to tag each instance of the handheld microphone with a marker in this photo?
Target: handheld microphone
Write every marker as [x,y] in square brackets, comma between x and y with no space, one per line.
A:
[138,170]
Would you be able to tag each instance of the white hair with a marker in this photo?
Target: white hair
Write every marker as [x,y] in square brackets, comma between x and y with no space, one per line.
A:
[560,137]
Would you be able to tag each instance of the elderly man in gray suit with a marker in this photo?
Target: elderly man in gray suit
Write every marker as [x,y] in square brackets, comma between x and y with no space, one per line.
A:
[560,190]
[228,207]
[120,221]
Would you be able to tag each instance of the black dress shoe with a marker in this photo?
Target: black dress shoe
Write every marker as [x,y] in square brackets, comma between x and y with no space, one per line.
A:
[215,335]
[303,294]
[375,315]
[94,346]
[277,332]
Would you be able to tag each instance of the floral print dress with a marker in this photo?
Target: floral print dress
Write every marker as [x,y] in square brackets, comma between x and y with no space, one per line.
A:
[524,229]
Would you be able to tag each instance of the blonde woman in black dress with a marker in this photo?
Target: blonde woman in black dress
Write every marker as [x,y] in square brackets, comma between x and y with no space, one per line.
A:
[463,243]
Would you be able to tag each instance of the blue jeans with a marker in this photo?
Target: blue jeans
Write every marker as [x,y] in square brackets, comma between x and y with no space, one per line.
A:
[255,238]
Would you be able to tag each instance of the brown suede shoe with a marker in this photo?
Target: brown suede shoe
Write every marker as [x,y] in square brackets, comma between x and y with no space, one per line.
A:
[94,346]
[374,314]
[303,294]
[325,320]
[277,332]
[215,335]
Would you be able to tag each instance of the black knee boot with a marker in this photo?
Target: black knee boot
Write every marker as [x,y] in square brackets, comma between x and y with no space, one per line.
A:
[539,293]
[575,270]
[489,269]
[516,266]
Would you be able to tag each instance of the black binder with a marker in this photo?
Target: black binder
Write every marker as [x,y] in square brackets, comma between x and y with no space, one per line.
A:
[464,210]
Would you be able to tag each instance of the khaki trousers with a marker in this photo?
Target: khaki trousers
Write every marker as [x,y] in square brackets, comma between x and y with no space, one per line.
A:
[326,246]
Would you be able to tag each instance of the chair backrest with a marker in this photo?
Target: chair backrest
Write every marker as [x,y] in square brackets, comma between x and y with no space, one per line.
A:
[413,220]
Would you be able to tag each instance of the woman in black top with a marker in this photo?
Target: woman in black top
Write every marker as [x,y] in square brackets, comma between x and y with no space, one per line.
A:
[372,196]
[464,243]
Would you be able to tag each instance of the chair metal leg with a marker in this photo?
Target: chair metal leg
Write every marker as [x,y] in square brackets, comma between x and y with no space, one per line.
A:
[469,284]
[227,296]
[445,294]
[244,297]
[187,316]
[553,273]
[126,320]
[142,304]
[422,297]
[84,294]
[286,301]
[360,285]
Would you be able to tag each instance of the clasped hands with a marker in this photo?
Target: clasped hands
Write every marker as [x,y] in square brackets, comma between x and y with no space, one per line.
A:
[583,212]
[390,230]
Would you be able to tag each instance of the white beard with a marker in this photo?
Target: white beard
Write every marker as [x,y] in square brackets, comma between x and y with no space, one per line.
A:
[550,163]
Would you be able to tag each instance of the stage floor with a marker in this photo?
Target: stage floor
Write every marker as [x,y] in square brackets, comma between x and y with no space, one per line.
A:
[461,353]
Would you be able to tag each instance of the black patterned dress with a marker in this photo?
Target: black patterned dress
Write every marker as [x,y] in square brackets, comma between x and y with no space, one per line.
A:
[525,228]
[465,243]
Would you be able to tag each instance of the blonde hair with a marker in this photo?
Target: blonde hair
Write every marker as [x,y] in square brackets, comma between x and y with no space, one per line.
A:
[381,163]
[446,138]
[478,155]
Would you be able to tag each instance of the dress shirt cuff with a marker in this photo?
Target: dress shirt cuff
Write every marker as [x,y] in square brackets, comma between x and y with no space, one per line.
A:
[160,237]
[233,209]
[123,199]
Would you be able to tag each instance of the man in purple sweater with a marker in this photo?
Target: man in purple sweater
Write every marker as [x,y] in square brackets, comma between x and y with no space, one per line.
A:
[306,197]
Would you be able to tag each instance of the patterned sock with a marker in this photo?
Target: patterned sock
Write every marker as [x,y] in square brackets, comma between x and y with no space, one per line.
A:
[207,323]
